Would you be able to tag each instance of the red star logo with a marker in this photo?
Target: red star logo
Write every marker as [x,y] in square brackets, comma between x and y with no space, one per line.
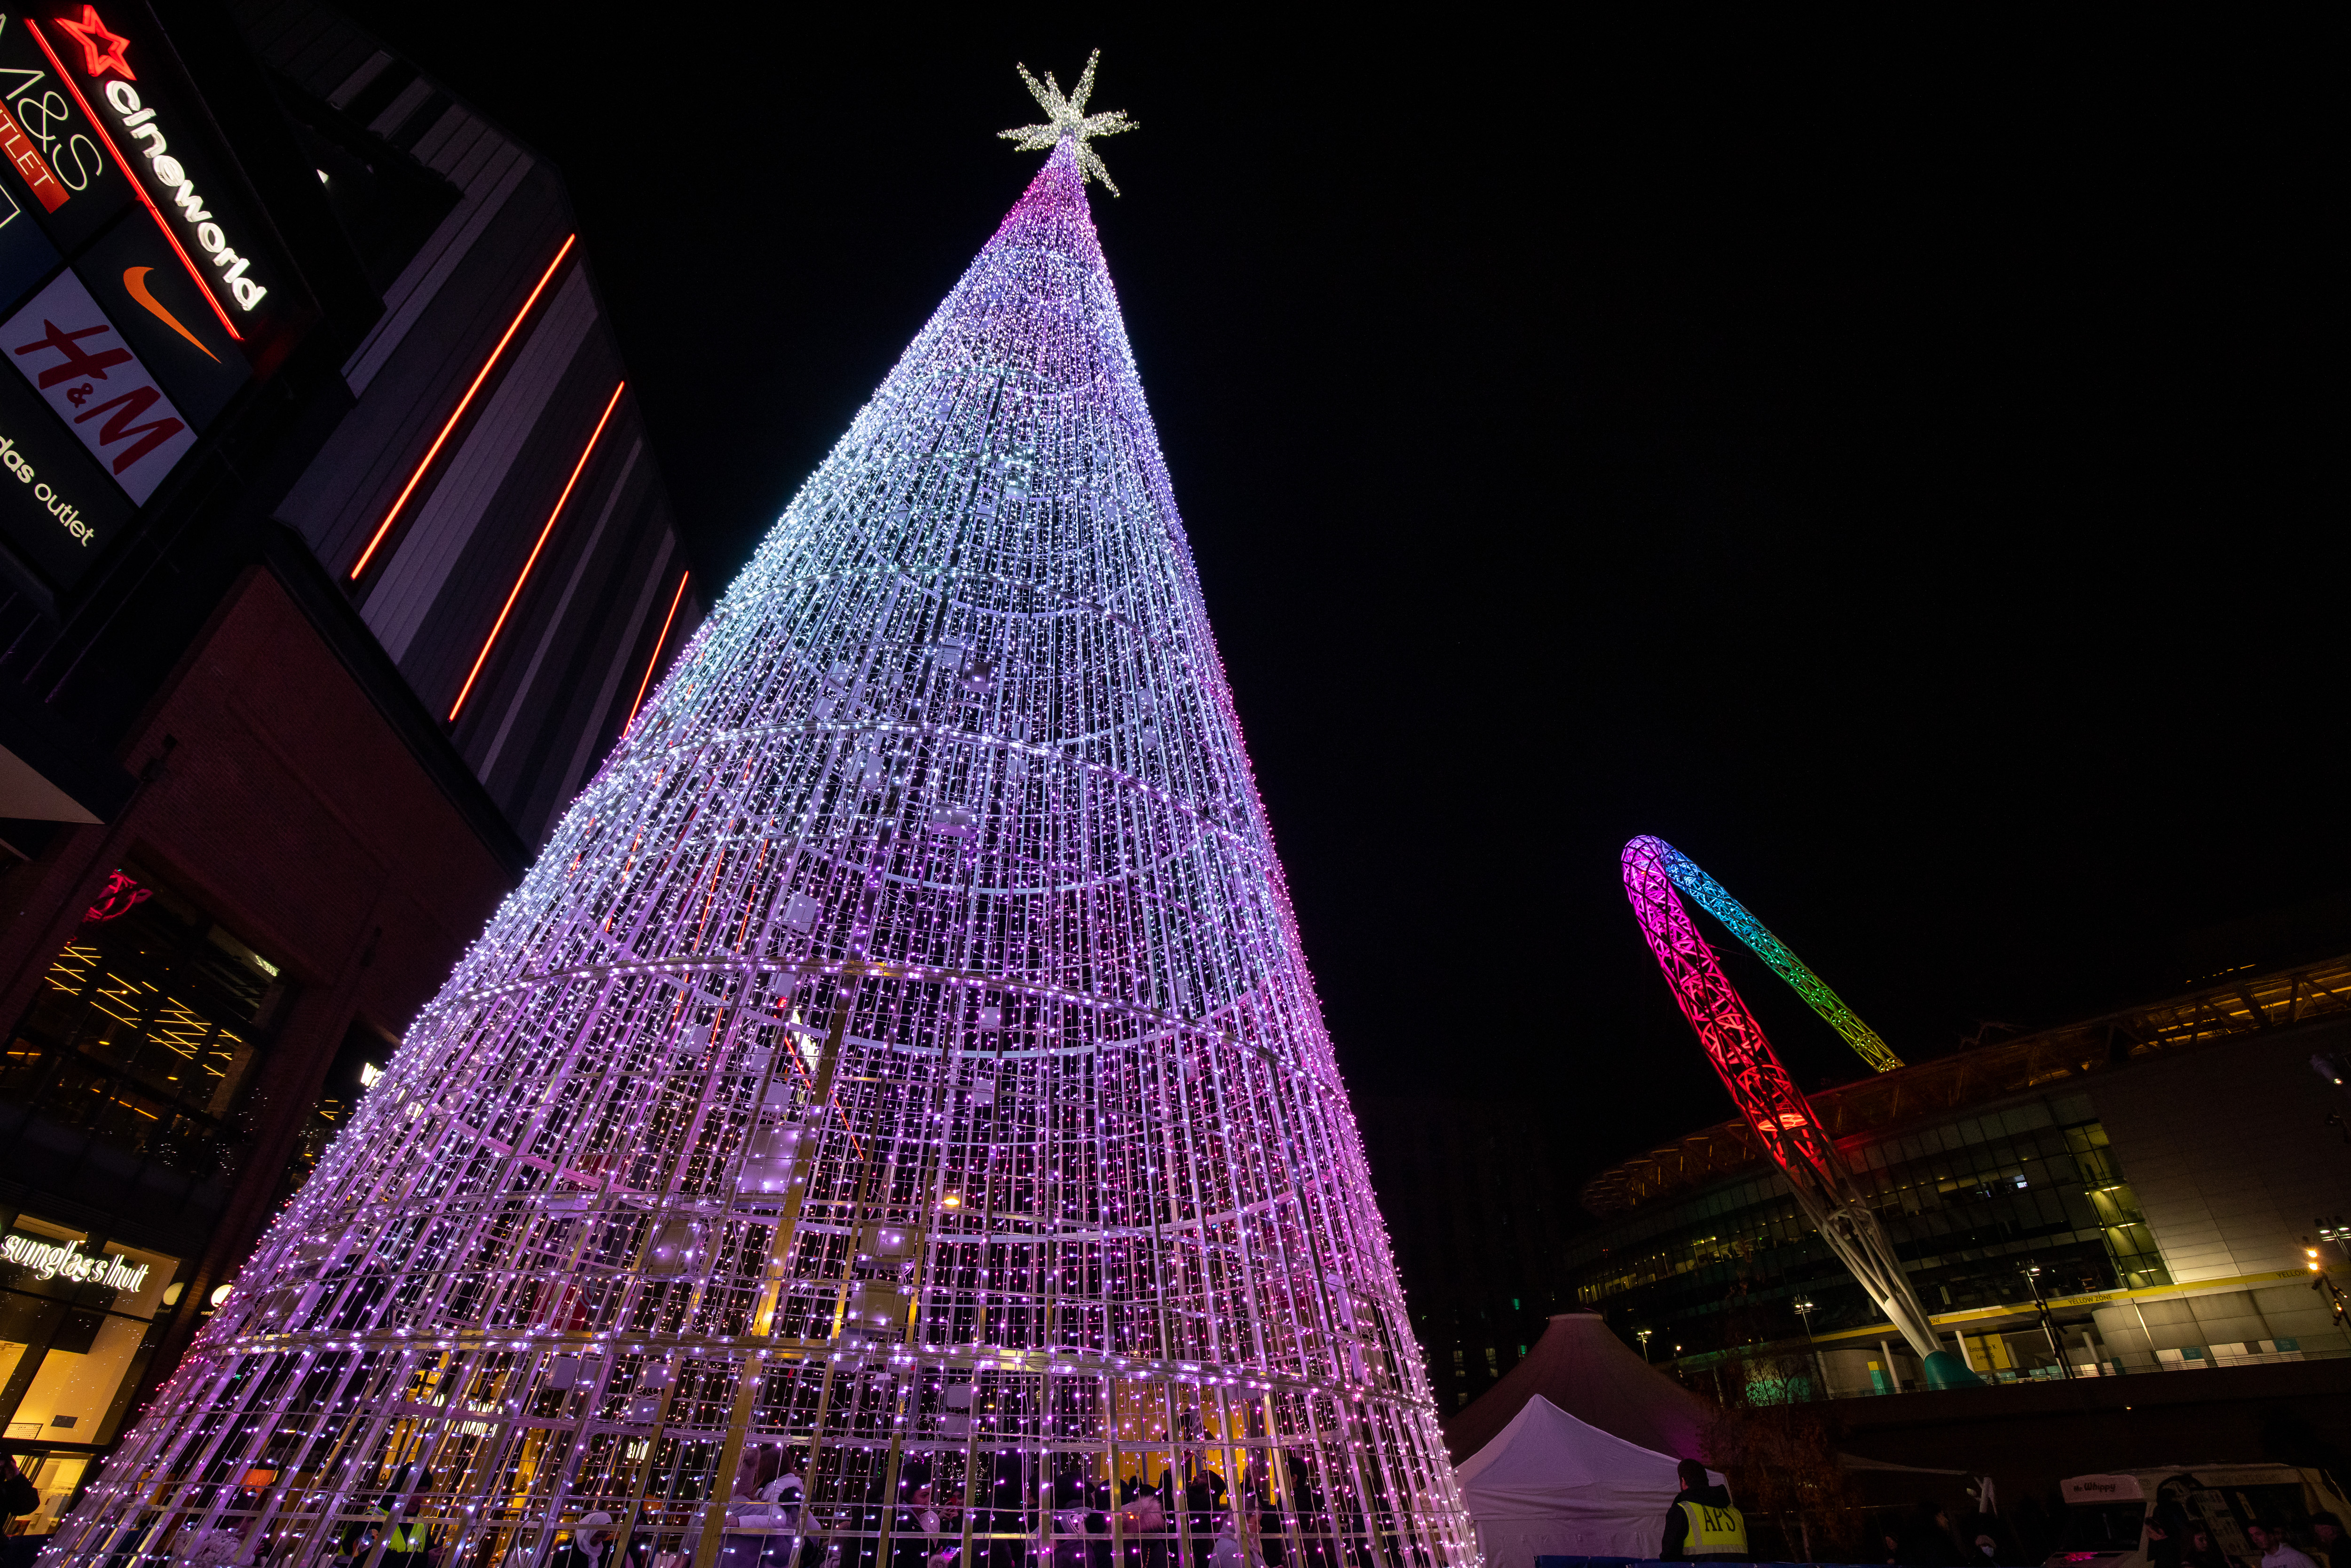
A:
[101,50]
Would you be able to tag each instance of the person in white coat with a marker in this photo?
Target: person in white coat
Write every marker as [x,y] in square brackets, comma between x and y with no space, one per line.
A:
[1228,1551]
[2269,1539]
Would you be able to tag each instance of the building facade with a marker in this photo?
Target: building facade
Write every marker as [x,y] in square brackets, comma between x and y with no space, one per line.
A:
[336,554]
[2140,1192]
[430,524]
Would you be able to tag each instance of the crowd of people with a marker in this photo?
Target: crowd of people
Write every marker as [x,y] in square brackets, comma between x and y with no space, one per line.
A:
[1196,1521]
[1703,1526]
[2171,1540]
[1931,1540]
[1139,1521]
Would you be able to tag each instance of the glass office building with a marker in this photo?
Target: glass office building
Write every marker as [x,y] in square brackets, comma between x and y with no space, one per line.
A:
[2127,1194]
[1970,1202]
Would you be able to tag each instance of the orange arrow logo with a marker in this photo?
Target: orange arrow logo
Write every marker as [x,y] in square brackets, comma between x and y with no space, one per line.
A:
[134,278]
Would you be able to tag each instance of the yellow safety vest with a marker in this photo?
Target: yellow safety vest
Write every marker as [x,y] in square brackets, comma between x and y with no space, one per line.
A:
[1713,1531]
[408,1536]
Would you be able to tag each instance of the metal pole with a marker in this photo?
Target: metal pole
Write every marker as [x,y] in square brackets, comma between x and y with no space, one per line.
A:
[1804,1310]
[2032,1272]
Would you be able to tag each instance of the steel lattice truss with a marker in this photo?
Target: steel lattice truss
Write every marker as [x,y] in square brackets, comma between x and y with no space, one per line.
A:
[1767,1098]
[900,1066]
[1715,900]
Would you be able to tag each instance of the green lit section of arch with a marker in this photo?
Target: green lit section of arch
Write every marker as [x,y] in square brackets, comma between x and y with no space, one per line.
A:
[1711,895]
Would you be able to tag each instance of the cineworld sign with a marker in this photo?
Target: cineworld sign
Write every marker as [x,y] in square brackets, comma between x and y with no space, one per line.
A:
[105,52]
[146,118]
[188,205]
[47,1259]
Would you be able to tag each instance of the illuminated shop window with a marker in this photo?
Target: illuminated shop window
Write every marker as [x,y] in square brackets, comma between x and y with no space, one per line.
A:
[54,1477]
[76,1310]
[356,1068]
[145,1031]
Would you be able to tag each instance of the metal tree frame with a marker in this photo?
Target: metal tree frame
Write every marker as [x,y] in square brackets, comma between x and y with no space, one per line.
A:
[1766,1096]
[900,1066]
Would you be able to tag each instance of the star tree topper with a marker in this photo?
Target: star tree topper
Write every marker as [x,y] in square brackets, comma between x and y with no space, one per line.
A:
[1069,122]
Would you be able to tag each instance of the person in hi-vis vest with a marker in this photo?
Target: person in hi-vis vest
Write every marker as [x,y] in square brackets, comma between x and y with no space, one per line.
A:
[1703,1526]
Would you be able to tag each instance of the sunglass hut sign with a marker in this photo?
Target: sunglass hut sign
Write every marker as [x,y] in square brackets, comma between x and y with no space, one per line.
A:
[48,1260]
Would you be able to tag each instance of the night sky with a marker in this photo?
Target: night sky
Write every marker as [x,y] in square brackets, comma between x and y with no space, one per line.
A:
[1892,466]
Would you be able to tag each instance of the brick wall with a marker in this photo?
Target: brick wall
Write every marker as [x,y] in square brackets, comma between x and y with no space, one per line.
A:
[288,808]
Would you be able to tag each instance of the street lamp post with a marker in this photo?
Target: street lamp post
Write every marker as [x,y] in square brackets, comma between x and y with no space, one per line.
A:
[1804,1310]
[1643,1335]
[2339,1234]
[2032,1272]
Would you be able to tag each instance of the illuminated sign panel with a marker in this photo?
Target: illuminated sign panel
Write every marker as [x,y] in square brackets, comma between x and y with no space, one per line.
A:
[47,1259]
[158,286]
[187,205]
[165,319]
[27,257]
[50,146]
[57,510]
[27,160]
[120,70]
[100,119]
[62,343]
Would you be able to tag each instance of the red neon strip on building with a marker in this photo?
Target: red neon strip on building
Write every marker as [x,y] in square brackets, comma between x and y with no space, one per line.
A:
[641,686]
[433,451]
[140,191]
[577,468]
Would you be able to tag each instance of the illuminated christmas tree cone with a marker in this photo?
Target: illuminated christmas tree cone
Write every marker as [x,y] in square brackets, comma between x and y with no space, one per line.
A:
[897,1084]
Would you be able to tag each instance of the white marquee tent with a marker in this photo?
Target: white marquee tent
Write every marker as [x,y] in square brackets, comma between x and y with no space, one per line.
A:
[1549,1485]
